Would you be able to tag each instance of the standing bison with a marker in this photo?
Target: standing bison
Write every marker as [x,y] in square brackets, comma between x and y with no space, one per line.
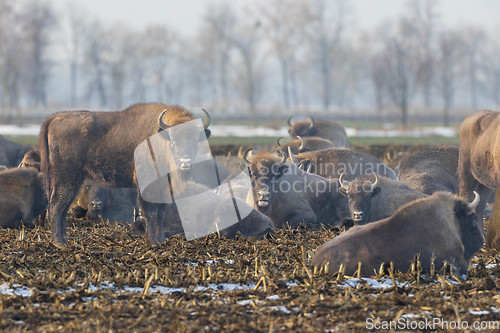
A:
[21,197]
[440,226]
[330,130]
[99,146]
[479,166]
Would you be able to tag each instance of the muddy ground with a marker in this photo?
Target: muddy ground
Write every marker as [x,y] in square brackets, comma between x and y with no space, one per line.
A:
[111,280]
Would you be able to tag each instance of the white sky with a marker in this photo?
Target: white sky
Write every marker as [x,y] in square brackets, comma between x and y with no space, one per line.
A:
[185,15]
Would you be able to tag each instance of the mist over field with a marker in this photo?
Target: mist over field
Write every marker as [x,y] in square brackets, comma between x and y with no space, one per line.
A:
[257,60]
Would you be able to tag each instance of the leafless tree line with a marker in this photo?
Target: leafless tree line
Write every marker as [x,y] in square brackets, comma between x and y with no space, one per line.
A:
[292,54]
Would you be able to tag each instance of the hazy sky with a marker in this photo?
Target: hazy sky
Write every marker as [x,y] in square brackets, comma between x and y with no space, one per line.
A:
[185,15]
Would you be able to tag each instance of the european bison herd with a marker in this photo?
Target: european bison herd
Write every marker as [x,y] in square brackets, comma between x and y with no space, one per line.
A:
[430,206]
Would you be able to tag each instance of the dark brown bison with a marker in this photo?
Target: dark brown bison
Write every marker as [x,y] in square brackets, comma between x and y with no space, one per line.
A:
[301,145]
[11,153]
[290,196]
[99,146]
[31,160]
[372,198]
[332,162]
[479,166]
[440,226]
[431,169]
[213,208]
[22,198]
[108,203]
[330,130]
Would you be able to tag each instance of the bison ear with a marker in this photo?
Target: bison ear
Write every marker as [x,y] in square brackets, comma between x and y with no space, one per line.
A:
[208,132]
[376,191]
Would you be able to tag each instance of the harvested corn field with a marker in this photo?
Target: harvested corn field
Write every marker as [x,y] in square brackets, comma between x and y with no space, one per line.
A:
[111,280]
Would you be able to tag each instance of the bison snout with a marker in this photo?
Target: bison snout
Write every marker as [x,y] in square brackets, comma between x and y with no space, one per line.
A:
[96,204]
[185,163]
[357,216]
[263,198]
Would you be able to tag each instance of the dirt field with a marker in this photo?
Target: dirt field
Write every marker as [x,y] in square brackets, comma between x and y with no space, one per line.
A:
[111,280]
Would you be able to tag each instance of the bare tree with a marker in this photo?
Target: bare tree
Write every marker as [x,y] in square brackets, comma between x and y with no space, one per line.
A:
[76,26]
[249,73]
[160,47]
[422,20]
[11,57]
[450,62]
[325,31]
[282,23]
[217,36]
[95,47]
[38,22]
[474,39]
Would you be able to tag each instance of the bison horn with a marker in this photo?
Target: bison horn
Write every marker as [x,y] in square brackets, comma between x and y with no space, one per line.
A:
[312,122]
[292,157]
[283,155]
[208,120]
[341,182]
[245,156]
[474,202]
[290,121]
[309,168]
[160,120]
[376,181]
[278,141]
[302,145]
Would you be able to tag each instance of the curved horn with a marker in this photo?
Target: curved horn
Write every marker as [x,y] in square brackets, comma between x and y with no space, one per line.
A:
[302,144]
[278,141]
[292,157]
[341,181]
[245,156]
[312,122]
[290,121]
[283,155]
[160,120]
[374,184]
[208,120]
[474,202]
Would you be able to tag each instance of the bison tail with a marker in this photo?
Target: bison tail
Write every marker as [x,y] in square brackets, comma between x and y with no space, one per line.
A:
[43,142]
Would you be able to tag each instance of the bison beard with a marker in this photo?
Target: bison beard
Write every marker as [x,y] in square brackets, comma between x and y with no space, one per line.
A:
[99,146]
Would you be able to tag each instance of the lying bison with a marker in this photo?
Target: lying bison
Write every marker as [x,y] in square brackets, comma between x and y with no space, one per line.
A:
[479,166]
[301,145]
[330,130]
[108,203]
[31,160]
[372,198]
[99,146]
[332,162]
[431,169]
[290,196]
[11,153]
[22,198]
[440,226]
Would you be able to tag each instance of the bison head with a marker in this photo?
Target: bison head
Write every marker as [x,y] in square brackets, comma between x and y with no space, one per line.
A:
[265,170]
[470,229]
[184,141]
[302,128]
[359,193]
